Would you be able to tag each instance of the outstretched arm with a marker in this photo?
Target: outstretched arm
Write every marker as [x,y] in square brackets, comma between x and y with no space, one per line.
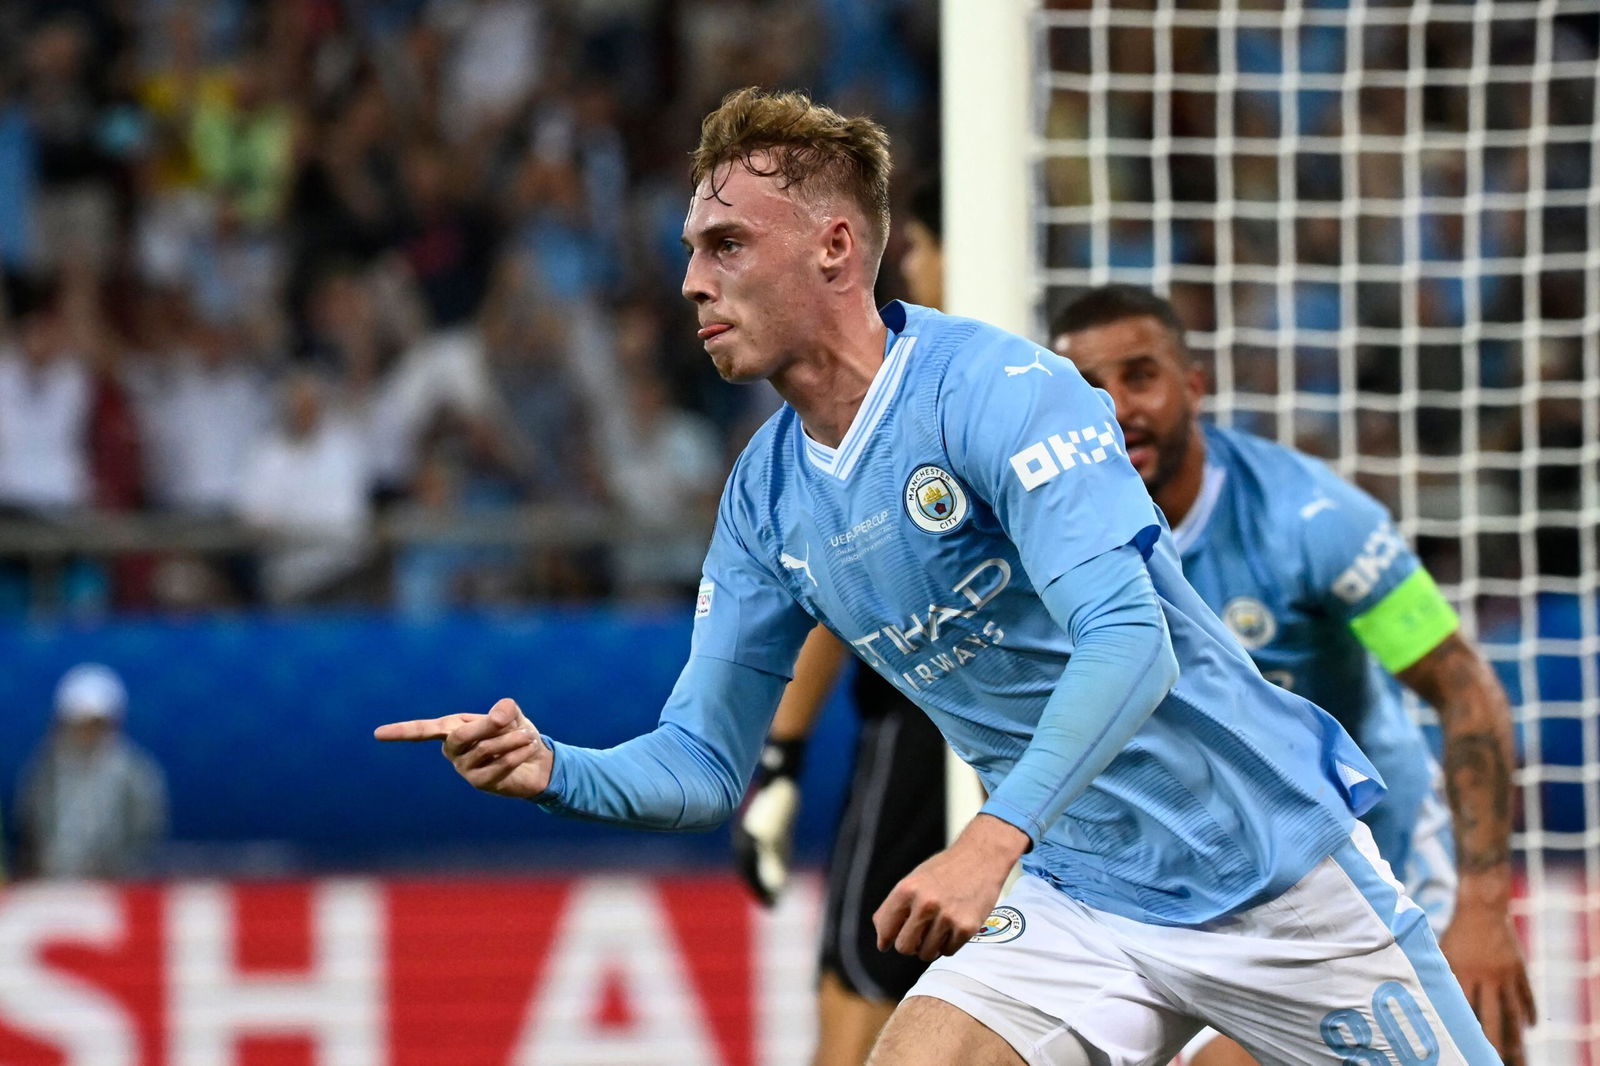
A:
[687,773]
[1480,941]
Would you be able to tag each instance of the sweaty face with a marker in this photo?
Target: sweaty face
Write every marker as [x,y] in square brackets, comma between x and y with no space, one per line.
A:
[922,266]
[1157,391]
[752,272]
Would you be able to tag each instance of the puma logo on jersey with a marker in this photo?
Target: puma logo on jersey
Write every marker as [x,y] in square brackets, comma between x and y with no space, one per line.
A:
[1014,371]
[1316,507]
[791,563]
[1039,463]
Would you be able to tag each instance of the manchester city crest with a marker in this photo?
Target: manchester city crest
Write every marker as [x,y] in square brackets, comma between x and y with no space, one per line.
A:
[1249,620]
[935,501]
[1003,925]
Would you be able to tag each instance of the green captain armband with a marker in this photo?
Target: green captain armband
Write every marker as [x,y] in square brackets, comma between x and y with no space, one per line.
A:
[1406,624]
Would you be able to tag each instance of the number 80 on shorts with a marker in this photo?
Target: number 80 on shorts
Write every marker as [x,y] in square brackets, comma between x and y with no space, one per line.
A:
[1411,1041]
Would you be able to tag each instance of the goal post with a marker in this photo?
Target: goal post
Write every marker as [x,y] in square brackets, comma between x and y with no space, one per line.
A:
[987,137]
[1382,222]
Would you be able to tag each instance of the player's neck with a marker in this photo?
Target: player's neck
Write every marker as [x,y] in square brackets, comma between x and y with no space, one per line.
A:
[826,383]
[1176,498]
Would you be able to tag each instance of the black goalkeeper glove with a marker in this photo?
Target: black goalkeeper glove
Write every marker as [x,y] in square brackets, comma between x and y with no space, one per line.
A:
[763,831]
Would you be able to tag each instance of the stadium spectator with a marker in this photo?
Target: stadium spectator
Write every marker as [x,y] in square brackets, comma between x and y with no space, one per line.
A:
[69,441]
[115,440]
[92,804]
[558,244]
[308,483]
[464,470]
[770,42]
[77,149]
[443,374]
[495,61]
[236,273]
[544,425]
[46,404]
[242,140]
[204,404]
[345,202]
[663,471]
[397,379]
[445,239]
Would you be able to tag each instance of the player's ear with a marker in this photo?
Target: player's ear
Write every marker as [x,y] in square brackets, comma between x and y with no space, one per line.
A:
[838,246]
[1197,381]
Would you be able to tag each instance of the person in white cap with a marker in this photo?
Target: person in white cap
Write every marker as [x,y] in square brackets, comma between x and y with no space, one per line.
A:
[92,804]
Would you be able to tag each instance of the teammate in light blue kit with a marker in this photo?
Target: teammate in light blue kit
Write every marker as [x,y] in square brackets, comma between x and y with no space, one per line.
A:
[1312,577]
[956,504]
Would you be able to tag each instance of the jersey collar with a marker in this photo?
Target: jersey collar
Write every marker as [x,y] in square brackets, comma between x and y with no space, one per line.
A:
[841,461]
[1187,533]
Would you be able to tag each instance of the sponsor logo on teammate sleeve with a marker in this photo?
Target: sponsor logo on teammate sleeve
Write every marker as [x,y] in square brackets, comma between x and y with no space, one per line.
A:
[702,602]
[935,501]
[1003,925]
[1383,546]
[1044,460]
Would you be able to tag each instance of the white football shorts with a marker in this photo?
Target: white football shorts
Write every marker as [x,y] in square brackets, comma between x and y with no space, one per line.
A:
[1340,968]
[1430,877]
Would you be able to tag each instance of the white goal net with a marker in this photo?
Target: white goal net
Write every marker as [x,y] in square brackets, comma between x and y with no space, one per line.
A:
[1382,221]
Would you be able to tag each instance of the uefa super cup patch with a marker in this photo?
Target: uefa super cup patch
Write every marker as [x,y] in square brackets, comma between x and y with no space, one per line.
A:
[935,501]
[1003,925]
[702,602]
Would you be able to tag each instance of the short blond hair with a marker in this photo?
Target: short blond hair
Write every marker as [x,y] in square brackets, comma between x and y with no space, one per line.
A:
[810,148]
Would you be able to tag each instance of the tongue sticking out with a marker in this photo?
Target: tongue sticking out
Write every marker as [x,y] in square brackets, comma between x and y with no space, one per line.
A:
[715,329]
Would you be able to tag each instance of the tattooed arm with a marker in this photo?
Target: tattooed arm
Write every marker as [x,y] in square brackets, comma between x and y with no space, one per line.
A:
[1480,942]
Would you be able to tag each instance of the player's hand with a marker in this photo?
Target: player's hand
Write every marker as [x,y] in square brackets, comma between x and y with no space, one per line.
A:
[763,830]
[499,752]
[1482,949]
[943,902]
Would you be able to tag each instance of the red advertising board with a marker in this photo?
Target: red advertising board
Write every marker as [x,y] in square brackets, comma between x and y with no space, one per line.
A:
[467,972]
[583,971]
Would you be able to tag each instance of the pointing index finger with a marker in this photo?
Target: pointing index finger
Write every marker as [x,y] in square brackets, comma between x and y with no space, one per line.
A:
[420,728]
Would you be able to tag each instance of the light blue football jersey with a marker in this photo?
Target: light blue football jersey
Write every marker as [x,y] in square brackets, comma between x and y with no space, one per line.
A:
[979,469]
[1287,553]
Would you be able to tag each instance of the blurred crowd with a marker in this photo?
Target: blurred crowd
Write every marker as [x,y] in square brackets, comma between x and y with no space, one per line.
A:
[314,270]
[1404,241]
[311,268]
